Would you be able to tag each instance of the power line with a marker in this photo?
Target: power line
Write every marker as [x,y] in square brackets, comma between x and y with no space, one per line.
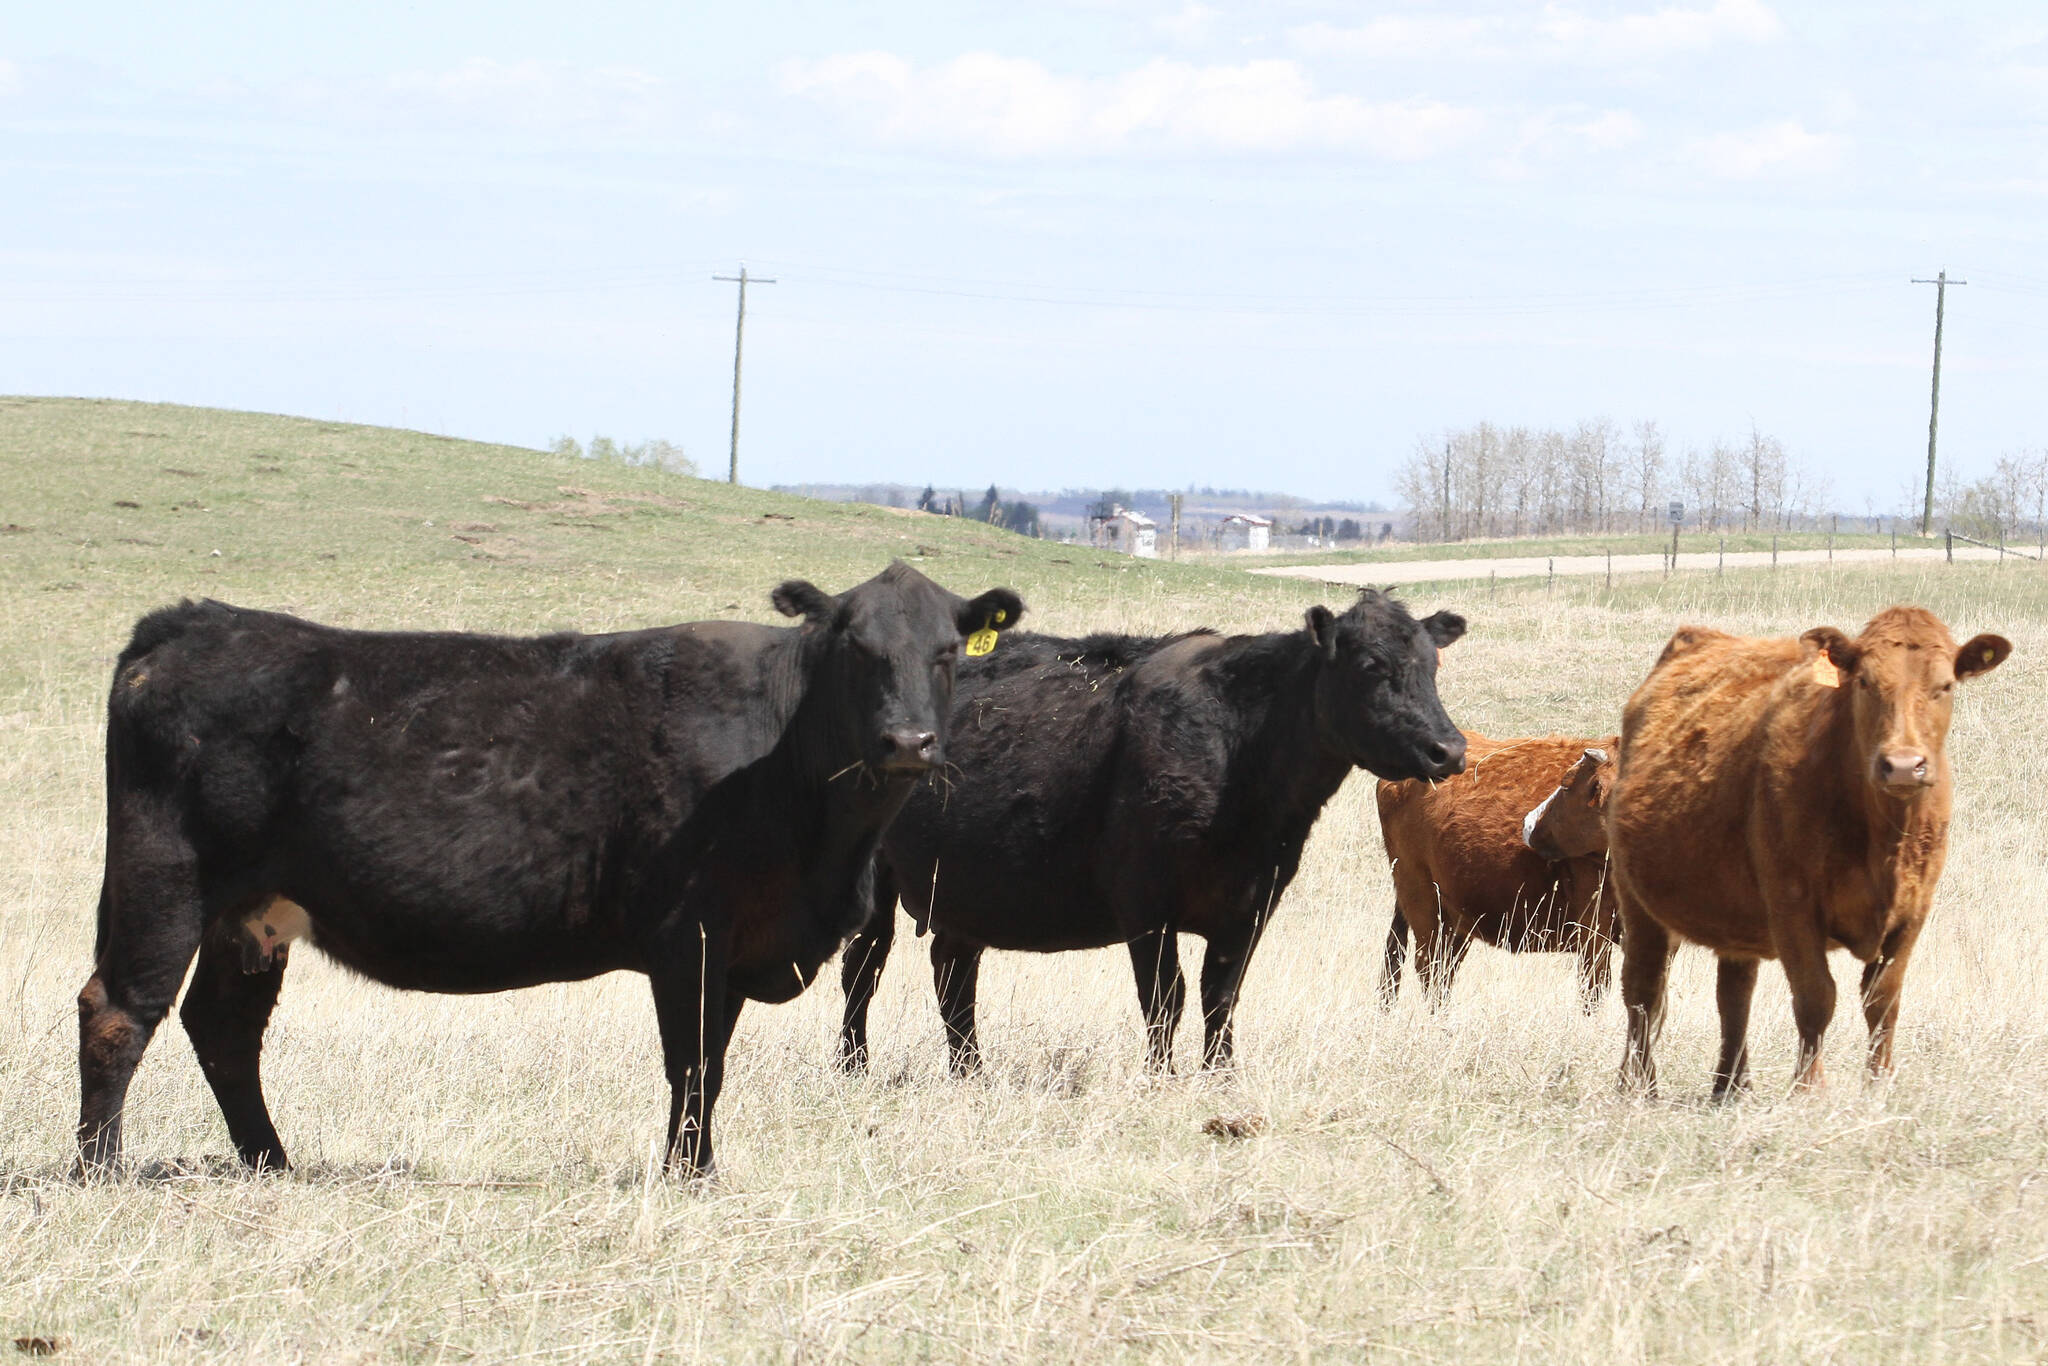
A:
[1941,282]
[739,337]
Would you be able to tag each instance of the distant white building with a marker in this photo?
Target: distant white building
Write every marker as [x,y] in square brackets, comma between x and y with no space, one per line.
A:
[1132,533]
[1246,531]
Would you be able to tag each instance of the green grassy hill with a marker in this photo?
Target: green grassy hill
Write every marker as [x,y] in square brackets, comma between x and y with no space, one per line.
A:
[112,508]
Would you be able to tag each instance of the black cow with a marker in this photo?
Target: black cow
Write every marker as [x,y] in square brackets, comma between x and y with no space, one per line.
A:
[1116,790]
[470,813]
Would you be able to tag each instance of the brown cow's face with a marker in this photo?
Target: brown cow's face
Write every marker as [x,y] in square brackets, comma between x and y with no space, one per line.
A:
[1572,821]
[1900,676]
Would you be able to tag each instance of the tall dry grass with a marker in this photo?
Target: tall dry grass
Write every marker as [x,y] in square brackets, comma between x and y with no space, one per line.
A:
[476,1175]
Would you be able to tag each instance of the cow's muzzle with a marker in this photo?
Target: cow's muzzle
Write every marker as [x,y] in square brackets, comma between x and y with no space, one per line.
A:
[910,751]
[1444,758]
[1904,771]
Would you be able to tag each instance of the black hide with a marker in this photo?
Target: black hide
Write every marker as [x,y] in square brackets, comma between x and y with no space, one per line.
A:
[466,813]
[1124,790]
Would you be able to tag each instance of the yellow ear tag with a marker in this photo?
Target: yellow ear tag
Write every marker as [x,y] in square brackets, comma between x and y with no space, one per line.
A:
[1825,673]
[984,641]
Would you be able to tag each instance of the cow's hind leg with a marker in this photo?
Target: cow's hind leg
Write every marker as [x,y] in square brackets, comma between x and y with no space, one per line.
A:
[1734,985]
[860,969]
[1596,953]
[225,1013]
[151,916]
[1397,953]
[1162,994]
[1646,949]
[956,967]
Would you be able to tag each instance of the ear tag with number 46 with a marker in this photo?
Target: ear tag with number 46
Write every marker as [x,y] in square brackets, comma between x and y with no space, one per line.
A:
[984,641]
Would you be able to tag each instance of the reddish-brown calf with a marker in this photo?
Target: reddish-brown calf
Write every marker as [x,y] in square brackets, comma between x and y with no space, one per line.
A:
[1462,870]
[1778,798]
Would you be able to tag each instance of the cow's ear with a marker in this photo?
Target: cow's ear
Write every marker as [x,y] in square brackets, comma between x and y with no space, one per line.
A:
[1980,655]
[1322,629]
[1443,627]
[1841,651]
[800,598]
[995,610]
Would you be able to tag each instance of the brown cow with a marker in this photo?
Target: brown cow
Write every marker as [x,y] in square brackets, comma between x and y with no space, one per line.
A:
[1777,798]
[1462,870]
[1572,821]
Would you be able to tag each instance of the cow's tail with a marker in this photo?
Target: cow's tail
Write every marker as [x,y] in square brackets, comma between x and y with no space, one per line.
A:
[1397,954]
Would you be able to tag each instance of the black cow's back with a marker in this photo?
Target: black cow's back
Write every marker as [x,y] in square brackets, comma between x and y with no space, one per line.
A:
[453,810]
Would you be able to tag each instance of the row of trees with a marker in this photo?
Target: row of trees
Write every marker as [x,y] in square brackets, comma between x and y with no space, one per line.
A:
[2009,504]
[656,453]
[1519,481]
[1015,515]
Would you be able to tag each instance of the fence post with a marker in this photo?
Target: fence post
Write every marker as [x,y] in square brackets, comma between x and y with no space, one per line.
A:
[1492,581]
[1774,554]
[1833,522]
[1550,582]
[1895,538]
[2001,547]
[1610,569]
[1950,538]
[1721,560]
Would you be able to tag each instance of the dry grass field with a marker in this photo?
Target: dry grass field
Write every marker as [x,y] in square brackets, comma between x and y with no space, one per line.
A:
[475,1176]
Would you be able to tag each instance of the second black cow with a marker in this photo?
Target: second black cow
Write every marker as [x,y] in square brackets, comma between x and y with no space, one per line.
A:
[1121,790]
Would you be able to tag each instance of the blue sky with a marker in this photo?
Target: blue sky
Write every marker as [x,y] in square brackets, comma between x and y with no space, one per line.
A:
[1080,243]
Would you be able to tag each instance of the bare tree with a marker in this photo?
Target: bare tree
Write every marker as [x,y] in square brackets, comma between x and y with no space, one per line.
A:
[1647,466]
[1762,464]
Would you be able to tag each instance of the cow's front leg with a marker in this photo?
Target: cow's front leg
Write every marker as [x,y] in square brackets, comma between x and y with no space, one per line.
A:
[1803,953]
[1884,977]
[696,1009]
[860,970]
[1223,969]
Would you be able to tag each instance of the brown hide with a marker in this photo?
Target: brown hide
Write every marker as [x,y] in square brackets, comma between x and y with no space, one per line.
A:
[1461,871]
[1778,798]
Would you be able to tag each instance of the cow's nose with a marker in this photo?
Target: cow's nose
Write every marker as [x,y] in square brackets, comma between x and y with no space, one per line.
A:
[1902,768]
[908,748]
[1447,759]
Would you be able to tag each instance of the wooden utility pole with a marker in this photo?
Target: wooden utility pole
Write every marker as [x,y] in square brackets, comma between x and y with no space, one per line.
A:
[1941,282]
[1174,552]
[1447,492]
[739,337]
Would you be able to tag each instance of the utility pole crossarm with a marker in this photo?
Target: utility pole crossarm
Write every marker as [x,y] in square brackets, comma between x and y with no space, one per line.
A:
[739,336]
[1941,282]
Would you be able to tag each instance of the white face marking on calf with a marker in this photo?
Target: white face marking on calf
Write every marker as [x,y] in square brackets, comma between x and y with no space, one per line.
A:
[1529,821]
[272,930]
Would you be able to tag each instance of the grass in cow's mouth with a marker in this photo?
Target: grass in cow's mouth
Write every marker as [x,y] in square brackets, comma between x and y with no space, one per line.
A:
[480,1175]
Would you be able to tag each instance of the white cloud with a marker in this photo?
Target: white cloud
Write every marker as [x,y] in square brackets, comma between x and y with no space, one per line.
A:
[1555,33]
[1190,26]
[1012,106]
[483,92]
[1659,33]
[10,77]
[1783,148]
[1397,36]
